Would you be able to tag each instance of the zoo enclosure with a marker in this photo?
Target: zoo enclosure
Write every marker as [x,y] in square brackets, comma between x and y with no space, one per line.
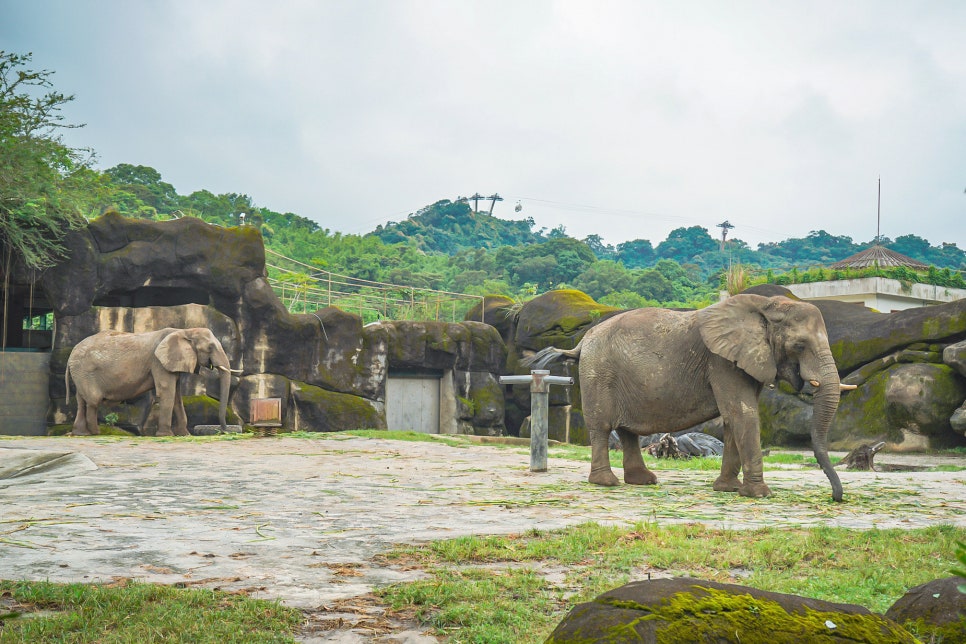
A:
[304,288]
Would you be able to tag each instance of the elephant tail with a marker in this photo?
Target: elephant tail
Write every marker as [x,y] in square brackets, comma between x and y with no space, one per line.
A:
[546,356]
[67,385]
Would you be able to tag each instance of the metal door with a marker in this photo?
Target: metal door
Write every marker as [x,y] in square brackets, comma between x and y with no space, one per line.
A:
[412,403]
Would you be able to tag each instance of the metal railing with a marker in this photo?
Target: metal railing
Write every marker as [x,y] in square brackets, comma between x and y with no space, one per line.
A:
[304,288]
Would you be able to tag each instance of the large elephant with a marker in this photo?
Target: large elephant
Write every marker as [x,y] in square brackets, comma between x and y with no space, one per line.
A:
[117,366]
[653,370]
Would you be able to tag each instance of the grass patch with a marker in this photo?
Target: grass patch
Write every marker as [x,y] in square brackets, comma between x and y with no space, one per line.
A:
[452,440]
[497,588]
[137,612]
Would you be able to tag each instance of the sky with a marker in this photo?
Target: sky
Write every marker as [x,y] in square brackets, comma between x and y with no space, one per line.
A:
[619,119]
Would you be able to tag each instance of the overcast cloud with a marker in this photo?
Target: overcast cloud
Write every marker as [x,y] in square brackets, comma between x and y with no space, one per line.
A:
[622,119]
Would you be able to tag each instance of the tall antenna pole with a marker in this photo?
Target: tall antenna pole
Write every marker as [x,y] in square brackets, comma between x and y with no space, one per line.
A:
[878,213]
[724,226]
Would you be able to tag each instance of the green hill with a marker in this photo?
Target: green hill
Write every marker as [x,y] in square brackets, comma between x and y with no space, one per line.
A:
[449,227]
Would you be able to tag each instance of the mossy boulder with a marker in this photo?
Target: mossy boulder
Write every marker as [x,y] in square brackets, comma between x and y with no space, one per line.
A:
[954,355]
[934,611]
[480,401]
[908,405]
[920,398]
[958,420]
[315,409]
[424,345]
[785,419]
[482,349]
[690,610]
[558,318]
[469,346]
[203,410]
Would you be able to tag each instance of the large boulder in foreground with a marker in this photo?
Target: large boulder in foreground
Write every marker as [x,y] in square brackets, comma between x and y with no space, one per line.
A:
[935,611]
[691,610]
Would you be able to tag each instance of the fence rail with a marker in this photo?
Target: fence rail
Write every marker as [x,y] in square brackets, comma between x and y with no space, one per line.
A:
[304,288]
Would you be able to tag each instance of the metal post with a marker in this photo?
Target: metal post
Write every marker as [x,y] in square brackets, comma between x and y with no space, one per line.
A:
[539,420]
[539,381]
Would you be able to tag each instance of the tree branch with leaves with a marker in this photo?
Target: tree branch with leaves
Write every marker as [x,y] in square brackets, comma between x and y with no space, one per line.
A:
[46,187]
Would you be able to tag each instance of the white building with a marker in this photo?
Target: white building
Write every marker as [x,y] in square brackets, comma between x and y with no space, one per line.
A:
[882,294]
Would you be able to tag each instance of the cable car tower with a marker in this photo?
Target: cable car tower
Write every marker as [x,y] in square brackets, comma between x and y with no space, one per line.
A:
[725,226]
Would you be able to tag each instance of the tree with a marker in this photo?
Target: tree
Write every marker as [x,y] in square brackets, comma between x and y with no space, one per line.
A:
[684,243]
[603,277]
[637,253]
[46,187]
[652,285]
[601,250]
[146,183]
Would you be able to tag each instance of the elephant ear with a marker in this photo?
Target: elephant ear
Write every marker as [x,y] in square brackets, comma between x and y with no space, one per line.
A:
[736,330]
[176,353]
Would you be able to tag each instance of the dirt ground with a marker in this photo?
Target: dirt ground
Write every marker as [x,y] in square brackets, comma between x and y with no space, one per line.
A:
[301,520]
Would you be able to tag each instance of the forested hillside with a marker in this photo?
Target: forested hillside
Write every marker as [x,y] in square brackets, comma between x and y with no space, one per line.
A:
[447,246]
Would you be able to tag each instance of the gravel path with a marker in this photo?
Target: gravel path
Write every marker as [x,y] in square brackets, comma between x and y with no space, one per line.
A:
[301,519]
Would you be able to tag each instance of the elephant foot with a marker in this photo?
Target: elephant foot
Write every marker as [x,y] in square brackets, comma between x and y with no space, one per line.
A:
[722,484]
[754,490]
[164,433]
[640,477]
[603,477]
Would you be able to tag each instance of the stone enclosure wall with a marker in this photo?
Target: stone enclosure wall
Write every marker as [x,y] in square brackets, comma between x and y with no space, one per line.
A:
[329,370]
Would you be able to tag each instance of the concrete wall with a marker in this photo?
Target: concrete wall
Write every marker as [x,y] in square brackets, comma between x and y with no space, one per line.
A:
[879,293]
[24,394]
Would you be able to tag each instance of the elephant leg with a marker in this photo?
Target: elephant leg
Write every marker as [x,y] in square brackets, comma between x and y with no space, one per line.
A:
[80,420]
[730,464]
[180,426]
[748,444]
[600,471]
[635,471]
[93,427]
[737,397]
[166,392]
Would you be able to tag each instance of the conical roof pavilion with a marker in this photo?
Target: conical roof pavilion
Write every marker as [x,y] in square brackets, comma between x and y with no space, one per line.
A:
[879,256]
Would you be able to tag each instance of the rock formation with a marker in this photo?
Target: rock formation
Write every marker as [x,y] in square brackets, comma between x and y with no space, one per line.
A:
[910,368]
[693,610]
[329,370]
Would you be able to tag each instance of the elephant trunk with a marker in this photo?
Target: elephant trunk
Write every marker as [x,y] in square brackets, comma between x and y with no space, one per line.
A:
[224,379]
[826,401]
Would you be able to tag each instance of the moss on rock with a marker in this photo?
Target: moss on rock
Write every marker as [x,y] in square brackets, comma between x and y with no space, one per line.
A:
[558,318]
[689,610]
[318,410]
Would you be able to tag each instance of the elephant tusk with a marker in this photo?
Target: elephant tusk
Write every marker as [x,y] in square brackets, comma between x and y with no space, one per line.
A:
[236,371]
[847,387]
[814,383]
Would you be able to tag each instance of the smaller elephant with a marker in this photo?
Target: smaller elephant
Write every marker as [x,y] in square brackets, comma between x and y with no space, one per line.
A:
[116,366]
